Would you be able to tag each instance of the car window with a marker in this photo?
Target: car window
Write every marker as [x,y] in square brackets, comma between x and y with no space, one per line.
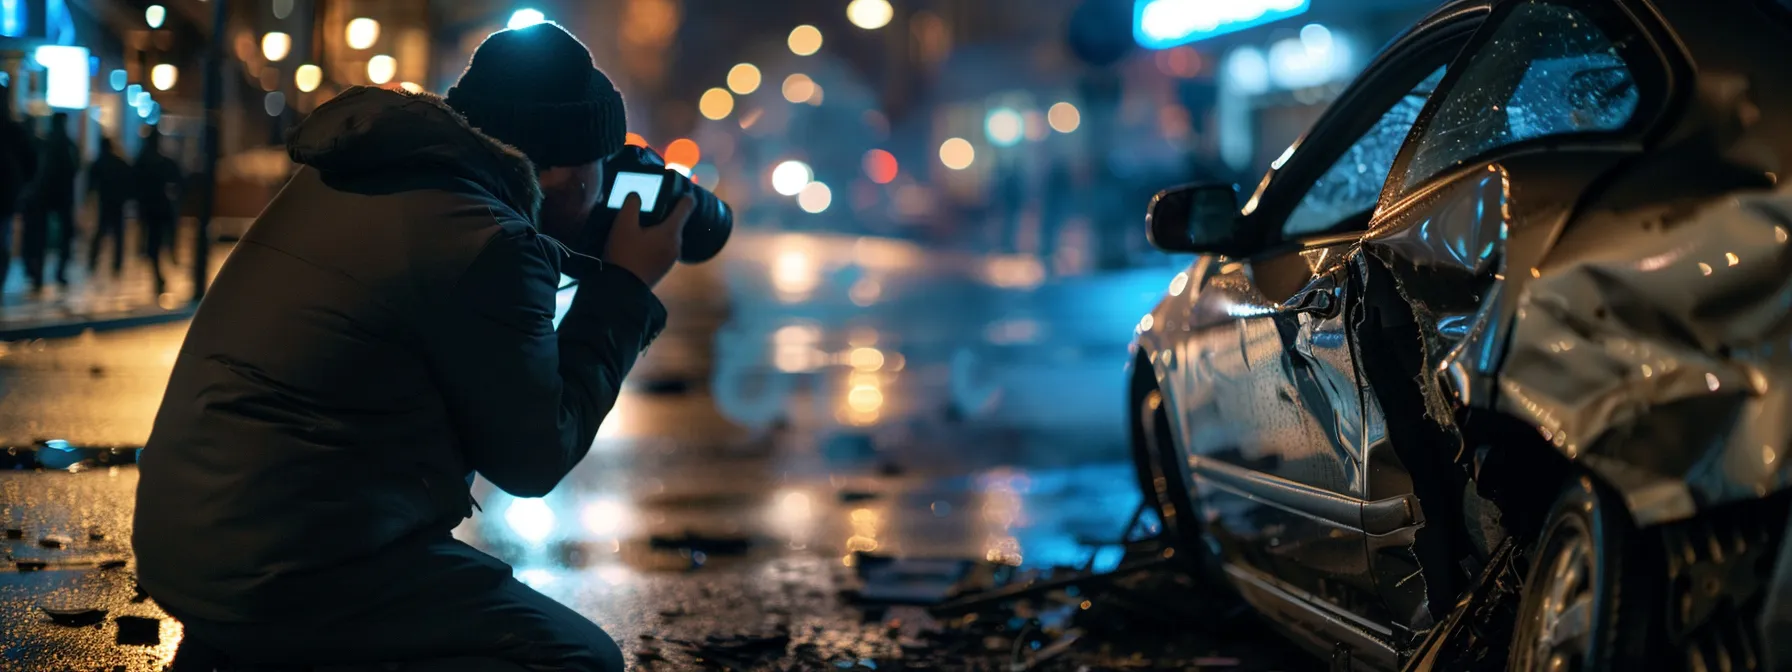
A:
[1353,184]
[1547,70]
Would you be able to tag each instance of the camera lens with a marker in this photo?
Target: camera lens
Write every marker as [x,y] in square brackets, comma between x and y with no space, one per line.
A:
[708,228]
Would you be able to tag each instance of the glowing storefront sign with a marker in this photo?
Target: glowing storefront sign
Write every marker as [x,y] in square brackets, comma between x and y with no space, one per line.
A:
[1160,24]
[68,75]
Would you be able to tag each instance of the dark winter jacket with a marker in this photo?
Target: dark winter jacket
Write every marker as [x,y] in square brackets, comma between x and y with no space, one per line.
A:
[155,178]
[57,167]
[383,329]
[112,178]
[18,164]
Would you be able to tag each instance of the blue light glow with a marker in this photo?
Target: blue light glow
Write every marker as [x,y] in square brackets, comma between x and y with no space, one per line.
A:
[12,18]
[1004,127]
[1161,24]
[143,98]
[68,75]
[118,79]
[523,18]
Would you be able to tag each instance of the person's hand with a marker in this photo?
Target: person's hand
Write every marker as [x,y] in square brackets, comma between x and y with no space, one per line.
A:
[648,252]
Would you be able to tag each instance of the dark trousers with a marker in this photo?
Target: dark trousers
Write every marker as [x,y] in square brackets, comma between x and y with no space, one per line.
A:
[158,234]
[453,608]
[111,225]
[41,238]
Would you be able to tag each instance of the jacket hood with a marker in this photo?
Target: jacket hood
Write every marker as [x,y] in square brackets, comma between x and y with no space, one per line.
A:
[368,131]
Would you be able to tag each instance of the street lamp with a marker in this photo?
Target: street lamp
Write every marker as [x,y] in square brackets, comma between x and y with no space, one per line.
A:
[362,33]
[276,45]
[381,68]
[163,76]
[155,15]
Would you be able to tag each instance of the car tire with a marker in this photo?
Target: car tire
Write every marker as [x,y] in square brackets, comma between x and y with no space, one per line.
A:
[1164,487]
[1592,597]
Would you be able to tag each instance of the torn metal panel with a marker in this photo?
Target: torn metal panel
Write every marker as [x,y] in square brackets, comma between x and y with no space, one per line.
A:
[1662,363]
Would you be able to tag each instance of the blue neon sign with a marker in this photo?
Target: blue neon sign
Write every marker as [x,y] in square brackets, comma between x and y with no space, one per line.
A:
[1161,24]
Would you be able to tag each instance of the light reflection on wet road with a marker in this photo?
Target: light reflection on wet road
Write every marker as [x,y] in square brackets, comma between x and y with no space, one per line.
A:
[811,397]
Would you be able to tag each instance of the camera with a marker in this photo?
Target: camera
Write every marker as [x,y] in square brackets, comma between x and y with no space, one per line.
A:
[640,170]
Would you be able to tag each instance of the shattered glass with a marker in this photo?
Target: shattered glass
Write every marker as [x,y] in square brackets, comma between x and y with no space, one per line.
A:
[1353,184]
[1548,71]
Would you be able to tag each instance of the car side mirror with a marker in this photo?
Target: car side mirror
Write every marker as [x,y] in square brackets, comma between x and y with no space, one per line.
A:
[1200,218]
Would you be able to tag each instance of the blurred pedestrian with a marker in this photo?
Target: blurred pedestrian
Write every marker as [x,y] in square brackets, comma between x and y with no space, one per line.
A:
[111,179]
[18,166]
[158,180]
[52,197]
[384,330]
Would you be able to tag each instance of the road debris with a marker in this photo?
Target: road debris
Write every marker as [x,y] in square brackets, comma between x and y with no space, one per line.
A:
[55,541]
[73,615]
[139,630]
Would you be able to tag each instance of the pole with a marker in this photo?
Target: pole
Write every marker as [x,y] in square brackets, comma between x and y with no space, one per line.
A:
[214,101]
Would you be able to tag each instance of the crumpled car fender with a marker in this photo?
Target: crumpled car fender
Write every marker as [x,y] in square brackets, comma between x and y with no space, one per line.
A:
[1664,365]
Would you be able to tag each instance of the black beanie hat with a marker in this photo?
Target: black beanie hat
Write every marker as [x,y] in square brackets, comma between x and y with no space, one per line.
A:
[535,89]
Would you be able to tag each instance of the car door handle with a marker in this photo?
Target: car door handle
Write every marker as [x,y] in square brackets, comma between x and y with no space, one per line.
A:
[1319,299]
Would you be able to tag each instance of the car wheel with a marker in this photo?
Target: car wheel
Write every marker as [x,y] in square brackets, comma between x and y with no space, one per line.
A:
[1165,489]
[1591,595]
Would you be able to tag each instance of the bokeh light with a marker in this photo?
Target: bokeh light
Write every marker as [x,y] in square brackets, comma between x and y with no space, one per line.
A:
[274,103]
[531,519]
[163,76]
[276,45]
[1004,127]
[815,197]
[523,18]
[865,398]
[412,87]
[870,14]
[743,78]
[1183,62]
[308,77]
[798,88]
[957,153]
[683,151]
[866,359]
[1064,117]
[155,15]
[362,33]
[805,40]
[716,103]
[381,68]
[880,166]
[634,139]
[789,178]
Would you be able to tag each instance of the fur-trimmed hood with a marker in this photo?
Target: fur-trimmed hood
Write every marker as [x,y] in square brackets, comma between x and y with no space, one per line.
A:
[368,131]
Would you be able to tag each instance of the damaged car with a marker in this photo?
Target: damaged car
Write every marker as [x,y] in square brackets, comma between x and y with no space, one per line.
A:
[1494,366]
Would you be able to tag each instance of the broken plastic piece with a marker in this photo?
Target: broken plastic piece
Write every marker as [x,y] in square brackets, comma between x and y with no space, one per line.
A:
[139,630]
[73,616]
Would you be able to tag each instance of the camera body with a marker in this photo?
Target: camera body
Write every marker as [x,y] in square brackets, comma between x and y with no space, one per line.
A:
[640,170]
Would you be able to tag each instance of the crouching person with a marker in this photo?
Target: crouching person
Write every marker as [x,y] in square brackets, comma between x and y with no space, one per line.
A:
[384,330]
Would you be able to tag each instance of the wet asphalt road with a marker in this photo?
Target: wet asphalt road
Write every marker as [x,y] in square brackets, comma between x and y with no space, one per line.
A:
[812,397]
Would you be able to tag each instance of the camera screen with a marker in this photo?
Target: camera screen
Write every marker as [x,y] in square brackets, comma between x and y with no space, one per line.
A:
[645,184]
